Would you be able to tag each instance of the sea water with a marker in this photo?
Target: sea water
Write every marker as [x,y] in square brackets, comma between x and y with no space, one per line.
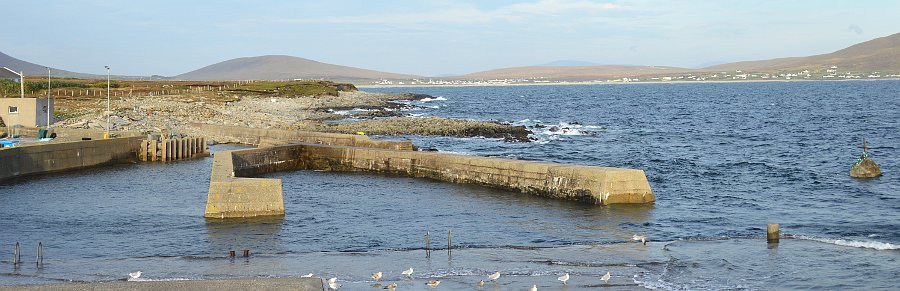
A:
[723,159]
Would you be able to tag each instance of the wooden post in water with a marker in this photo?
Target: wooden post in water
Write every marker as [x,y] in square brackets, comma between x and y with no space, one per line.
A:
[143,151]
[449,242]
[427,244]
[773,232]
[153,150]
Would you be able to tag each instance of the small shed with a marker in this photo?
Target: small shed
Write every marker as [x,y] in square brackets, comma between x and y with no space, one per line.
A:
[28,112]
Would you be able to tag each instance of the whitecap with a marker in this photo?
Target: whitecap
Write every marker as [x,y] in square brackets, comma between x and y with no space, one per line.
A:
[438,98]
[877,245]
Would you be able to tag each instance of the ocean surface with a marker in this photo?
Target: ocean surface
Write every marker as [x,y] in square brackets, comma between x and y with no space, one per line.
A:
[723,159]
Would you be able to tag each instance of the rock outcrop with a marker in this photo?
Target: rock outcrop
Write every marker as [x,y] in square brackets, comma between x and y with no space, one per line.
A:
[865,168]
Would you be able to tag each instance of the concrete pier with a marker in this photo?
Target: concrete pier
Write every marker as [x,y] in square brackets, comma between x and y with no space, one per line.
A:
[233,196]
[53,157]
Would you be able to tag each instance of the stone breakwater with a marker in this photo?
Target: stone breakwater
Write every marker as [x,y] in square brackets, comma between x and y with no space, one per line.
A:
[231,195]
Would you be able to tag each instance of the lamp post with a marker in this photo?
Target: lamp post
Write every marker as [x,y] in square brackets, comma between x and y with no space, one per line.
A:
[108,125]
[49,108]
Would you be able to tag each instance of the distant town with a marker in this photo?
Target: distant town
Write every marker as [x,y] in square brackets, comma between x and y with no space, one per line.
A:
[830,73]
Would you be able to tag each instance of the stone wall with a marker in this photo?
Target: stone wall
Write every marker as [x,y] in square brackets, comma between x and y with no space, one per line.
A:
[595,185]
[267,137]
[53,157]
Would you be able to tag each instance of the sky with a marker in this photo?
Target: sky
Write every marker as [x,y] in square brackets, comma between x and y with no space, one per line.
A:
[430,38]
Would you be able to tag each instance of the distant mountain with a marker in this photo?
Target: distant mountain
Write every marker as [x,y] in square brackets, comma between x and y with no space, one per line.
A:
[577,73]
[277,67]
[31,69]
[880,54]
[568,63]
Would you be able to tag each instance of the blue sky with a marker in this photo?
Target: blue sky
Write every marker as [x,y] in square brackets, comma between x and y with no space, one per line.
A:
[430,37]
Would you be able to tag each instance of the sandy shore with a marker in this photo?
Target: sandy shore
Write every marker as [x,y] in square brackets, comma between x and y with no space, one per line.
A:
[295,284]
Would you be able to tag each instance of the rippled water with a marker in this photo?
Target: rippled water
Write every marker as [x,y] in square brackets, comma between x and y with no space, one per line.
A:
[723,160]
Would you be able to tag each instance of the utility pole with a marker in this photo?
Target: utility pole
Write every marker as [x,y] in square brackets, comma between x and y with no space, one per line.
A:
[107,102]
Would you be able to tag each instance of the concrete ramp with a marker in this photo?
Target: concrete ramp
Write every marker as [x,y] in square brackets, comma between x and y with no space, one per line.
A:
[233,196]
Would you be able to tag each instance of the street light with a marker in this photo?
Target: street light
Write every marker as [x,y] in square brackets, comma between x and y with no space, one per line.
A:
[108,125]
[49,108]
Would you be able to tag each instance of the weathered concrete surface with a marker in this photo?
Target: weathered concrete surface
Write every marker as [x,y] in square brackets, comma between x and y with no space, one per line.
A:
[596,185]
[293,284]
[865,168]
[63,156]
[265,137]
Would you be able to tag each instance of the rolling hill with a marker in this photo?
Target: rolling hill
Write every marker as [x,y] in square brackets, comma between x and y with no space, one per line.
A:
[31,69]
[278,67]
[880,54]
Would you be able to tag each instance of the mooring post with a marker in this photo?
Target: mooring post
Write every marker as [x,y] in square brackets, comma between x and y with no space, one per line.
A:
[231,254]
[246,253]
[773,233]
[39,257]
[16,254]
[449,242]
[427,244]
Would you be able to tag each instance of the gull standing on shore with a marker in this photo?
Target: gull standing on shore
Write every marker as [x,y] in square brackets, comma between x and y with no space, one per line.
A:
[481,283]
[391,286]
[408,273]
[433,283]
[376,276]
[134,275]
[564,278]
[494,276]
[533,288]
[605,278]
[332,284]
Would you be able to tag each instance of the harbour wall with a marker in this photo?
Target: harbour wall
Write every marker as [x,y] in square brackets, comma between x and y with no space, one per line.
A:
[267,137]
[231,195]
[63,156]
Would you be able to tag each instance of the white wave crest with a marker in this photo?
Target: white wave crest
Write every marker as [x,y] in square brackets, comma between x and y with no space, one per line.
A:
[877,245]
[438,98]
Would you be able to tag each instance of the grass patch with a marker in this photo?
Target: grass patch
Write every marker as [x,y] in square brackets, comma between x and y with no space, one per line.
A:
[294,88]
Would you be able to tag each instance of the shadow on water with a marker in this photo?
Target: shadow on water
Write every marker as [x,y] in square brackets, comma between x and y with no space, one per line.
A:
[259,235]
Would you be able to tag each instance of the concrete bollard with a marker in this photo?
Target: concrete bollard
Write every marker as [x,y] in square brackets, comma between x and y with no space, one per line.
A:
[773,232]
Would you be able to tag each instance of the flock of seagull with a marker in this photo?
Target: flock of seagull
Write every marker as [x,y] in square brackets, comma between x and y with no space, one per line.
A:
[334,285]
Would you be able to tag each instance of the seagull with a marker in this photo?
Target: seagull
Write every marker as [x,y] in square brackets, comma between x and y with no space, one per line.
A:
[391,286]
[433,283]
[376,276]
[481,283]
[332,284]
[408,273]
[605,278]
[307,275]
[494,276]
[533,288]
[642,238]
[564,278]
[134,275]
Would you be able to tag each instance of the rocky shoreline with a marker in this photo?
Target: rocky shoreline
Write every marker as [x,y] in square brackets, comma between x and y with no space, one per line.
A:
[375,114]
